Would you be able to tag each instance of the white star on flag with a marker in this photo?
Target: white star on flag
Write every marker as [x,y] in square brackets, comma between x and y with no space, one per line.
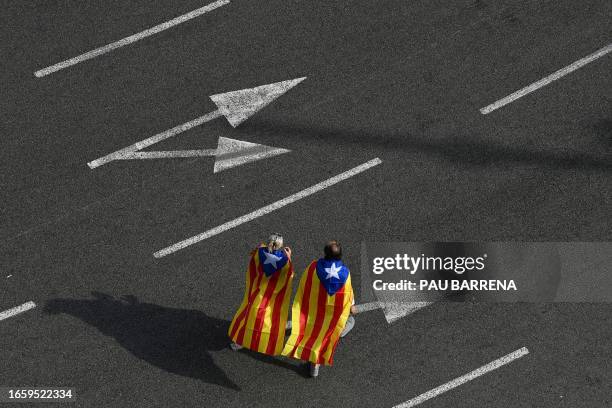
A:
[333,271]
[271,259]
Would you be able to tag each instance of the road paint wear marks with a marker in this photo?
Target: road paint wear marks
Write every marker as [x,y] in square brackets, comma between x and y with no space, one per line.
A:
[268,209]
[547,80]
[131,39]
[508,358]
[17,310]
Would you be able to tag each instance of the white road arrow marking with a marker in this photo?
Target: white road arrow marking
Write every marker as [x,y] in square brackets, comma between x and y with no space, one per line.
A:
[229,153]
[268,208]
[131,39]
[394,305]
[493,365]
[236,106]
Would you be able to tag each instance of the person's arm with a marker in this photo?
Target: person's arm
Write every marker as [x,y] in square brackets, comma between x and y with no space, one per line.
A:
[287,252]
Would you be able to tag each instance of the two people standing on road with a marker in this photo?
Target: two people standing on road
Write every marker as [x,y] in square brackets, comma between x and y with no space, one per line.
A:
[321,308]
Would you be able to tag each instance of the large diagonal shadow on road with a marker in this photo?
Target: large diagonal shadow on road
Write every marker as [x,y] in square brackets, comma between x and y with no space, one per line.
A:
[178,341]
[460,148]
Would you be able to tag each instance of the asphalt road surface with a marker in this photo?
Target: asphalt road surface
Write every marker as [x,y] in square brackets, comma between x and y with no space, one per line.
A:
[399,80]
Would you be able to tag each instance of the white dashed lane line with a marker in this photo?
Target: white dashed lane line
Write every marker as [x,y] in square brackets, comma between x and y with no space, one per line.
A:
[131,39]
[493,365]
[17,310]
[546,80]
[268,208]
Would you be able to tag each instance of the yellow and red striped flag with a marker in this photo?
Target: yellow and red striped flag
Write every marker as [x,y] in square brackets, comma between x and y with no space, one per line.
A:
[321,307]
[259,324]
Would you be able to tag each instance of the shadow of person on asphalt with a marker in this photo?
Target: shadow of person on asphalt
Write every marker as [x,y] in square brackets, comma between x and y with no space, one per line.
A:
[297,366]
[175,340]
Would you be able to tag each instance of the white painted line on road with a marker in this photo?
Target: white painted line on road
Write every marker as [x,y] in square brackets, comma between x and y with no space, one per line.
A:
[366,307]
[268,209]
[172,154]
[547,80]
[16,310]
[465,378]
[396,310]
[131,39]
[393,310]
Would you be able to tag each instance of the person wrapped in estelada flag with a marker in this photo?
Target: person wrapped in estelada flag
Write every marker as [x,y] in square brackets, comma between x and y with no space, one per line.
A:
[260,322]
[320,310]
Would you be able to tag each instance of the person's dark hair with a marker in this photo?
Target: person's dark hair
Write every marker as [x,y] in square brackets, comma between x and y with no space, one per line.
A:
[333,250]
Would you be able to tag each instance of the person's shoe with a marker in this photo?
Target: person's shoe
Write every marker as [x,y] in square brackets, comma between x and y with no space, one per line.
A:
[235,346]
[314,370]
